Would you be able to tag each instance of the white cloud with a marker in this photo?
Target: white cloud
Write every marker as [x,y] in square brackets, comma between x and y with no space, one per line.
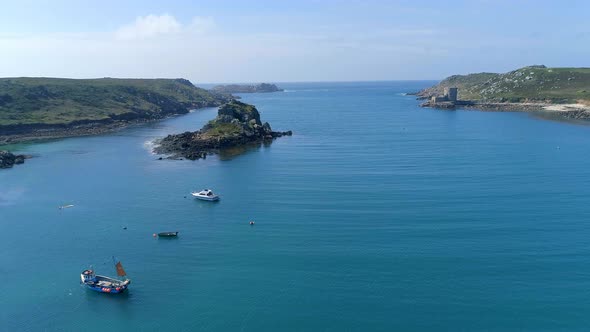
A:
[152,26]
[149,26]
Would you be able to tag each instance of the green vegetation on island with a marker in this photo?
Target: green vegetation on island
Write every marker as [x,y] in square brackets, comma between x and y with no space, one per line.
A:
[528,84]
[237,124]
[58,107]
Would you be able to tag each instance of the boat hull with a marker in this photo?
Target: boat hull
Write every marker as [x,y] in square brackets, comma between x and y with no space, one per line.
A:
[206,198]
[108,290]
[104,284]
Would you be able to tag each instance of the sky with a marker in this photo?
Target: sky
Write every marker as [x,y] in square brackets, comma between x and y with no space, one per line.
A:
[288,41]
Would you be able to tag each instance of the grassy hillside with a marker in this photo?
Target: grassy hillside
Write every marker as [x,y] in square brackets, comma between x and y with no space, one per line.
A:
[234,118]
[534,83]
[57,101]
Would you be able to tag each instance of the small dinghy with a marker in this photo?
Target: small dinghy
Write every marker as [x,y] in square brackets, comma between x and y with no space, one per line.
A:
[104,284]
[205,195]
[66,206]
[168,234]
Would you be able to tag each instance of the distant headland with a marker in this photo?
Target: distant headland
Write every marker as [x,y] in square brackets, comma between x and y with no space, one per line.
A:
[245,88]
[44,108]
[236,124]
[563,91]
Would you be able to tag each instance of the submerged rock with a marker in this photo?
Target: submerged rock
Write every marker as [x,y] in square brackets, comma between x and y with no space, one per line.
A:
[8,159]
[236,124]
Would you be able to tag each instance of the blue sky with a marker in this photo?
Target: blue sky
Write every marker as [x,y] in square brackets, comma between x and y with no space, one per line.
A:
[253,41]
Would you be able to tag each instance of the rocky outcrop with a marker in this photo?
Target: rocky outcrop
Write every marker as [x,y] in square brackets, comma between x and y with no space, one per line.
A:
[236,124]
[8,159]
[245,88]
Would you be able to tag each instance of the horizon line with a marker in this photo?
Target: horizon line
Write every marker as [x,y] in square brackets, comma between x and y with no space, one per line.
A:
[222,83]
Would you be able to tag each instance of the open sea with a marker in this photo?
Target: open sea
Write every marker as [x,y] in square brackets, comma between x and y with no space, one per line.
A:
[376,215]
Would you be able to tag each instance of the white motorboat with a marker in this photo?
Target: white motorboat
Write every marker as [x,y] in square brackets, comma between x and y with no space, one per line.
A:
[206,195]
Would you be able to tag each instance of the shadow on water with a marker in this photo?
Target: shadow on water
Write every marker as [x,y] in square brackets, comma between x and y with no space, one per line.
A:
[206,204]
[230,153]
[101,300]
[168,238]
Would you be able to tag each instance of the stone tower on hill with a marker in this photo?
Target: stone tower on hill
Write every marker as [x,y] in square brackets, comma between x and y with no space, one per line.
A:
[450,94]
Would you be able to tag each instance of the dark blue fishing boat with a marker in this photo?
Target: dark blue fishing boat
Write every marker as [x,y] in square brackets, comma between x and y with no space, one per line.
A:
[104,284]
[168,234]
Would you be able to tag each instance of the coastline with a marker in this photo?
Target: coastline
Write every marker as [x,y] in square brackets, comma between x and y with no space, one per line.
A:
[52,132]
[45,108]
[559,92]
[576,111]
[529,107]
[40,135]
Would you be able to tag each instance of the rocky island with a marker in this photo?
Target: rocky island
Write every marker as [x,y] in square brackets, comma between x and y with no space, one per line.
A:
[245,88]
[41,108]
[8,159]
[236,124]
[559,91]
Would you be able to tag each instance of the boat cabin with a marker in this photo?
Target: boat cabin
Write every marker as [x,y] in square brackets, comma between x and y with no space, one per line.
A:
[88,275]
[205,194]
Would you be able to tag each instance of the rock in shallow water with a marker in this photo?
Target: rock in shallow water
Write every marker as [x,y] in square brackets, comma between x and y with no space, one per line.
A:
[236,124]
[8,159]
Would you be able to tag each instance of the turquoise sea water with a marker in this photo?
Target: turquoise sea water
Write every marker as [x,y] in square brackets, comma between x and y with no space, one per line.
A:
[376,215]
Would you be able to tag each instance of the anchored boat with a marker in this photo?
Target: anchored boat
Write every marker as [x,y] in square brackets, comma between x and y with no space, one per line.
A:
[104,284]
[205,195]
[168,234]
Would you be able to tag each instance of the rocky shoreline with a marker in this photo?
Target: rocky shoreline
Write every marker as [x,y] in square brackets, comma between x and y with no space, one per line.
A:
[49,133]
[8,159]
[570,111]
[237,124]
[44,132]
